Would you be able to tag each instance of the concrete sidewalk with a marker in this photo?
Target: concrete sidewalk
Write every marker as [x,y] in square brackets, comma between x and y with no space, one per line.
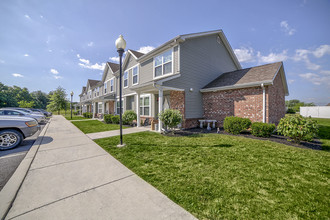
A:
[105,134]
[71,177]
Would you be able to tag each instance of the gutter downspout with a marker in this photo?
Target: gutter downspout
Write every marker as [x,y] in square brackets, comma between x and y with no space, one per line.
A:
[263,103]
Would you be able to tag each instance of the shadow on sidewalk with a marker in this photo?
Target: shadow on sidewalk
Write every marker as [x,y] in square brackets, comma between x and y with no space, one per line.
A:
[46,140]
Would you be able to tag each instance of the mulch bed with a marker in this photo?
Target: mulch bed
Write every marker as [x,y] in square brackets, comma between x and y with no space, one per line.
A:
[314,145]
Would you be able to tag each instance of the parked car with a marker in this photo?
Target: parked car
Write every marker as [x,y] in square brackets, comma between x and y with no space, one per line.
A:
[14,129]
[36,111]
[14,112]
[48,114]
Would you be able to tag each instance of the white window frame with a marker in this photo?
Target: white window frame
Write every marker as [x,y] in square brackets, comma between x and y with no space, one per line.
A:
[105,87]
[127,71]
[143,106]
[117,107]
[90,94]
[113,84]
[100,108]
[137,74]
[98,91]
[162,65]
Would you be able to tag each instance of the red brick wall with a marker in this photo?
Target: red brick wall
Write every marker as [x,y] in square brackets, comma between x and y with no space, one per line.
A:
[245,103]
[275,101]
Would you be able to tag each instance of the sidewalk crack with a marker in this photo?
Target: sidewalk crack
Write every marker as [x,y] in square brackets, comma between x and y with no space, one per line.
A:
[84,191]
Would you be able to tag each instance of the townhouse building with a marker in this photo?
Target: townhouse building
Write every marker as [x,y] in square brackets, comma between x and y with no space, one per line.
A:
[197,74]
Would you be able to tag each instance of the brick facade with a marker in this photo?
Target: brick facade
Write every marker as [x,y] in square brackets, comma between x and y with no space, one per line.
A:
[246,103]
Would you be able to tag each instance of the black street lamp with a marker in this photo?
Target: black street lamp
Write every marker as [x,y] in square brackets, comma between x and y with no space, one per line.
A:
[120,45]
[71,102]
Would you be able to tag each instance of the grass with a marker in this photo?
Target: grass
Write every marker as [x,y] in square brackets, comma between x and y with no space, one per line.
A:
[92,126]
[226,177]
[75,118]
[324,132]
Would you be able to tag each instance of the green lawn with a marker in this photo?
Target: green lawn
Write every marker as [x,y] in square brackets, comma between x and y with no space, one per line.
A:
[324,132]
[93,126]
[75,118]
[227,177]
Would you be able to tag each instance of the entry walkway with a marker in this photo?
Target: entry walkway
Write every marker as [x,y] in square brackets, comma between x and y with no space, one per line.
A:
[105,134]
[71,177]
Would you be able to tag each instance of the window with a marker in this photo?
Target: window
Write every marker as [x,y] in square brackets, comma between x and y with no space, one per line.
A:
[111,85]
[125,79]
[145,105]
[98,91]
[90,94]
[100,108]
[163,64]
[135,75]
[118,106]
[105,87]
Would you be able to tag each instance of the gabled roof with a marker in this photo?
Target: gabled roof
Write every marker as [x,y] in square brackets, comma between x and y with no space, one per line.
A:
[83,90]
[136,53]
[249,77]
[181,38]
[92,83]
[113,66]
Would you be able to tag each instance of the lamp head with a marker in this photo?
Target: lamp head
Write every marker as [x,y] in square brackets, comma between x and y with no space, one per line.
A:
[120,43]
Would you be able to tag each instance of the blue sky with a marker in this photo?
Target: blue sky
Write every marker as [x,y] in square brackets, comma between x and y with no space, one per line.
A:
[45,44]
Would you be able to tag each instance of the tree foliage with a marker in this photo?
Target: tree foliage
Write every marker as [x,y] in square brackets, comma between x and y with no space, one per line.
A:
[294,105]
[57,100]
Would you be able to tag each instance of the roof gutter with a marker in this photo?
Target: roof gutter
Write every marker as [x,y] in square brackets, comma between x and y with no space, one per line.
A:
[240,86]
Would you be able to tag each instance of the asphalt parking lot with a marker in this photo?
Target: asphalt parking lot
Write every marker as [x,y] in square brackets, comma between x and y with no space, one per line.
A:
[10,159]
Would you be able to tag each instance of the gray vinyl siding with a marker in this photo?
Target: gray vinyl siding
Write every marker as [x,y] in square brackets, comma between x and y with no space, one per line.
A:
[130,63]
[201,61]
[147,67]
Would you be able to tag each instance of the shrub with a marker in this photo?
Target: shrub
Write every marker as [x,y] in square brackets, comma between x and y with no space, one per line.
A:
[88,115]
[235,125]
[115,119]
[298,128]
[129,116]
[260,129]
[291,111]
[107,118]
[75,113]
[170,117]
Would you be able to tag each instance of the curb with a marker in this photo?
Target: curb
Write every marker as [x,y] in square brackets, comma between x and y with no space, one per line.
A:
[10,190]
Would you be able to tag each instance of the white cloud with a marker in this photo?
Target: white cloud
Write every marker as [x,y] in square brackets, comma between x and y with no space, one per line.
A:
[90,44]
[41,16]
[17,75]
[272,57]
[321,51]
[50,50]
[86,64]
[26,55]
[316,79]
[2,61]
[54,71]
[302,55]
[114,59]
[27,16]
[244,54]
[58,77]
[290,81]
[286,28]
[325,72]
[145,49]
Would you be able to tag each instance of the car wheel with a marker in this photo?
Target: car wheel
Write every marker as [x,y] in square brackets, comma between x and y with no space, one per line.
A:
[10,139]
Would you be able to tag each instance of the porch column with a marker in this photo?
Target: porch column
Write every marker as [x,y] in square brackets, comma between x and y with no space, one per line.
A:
[94,109]
[103,107]
[138,120]
[160,107]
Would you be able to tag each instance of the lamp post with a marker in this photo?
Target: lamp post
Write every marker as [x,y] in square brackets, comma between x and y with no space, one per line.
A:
[71,102]
[120,45]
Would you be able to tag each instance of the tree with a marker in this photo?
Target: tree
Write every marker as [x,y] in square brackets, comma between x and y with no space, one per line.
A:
[57,100]
[40,99]
[294,105]
[25,104]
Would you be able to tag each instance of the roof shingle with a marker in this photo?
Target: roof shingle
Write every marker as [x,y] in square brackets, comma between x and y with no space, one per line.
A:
[264,73]
[114,66]
[136,53]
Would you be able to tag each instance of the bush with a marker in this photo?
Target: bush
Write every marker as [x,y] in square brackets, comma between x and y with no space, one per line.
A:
[170,117]
[107,118]
[129,116]
[298,128]
[260,129]
[235,125]
[75,113]
[291,111]
[115,119]
[88,115]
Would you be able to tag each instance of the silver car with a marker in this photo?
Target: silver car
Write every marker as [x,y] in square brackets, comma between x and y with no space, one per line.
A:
[14,112]
[14,129]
